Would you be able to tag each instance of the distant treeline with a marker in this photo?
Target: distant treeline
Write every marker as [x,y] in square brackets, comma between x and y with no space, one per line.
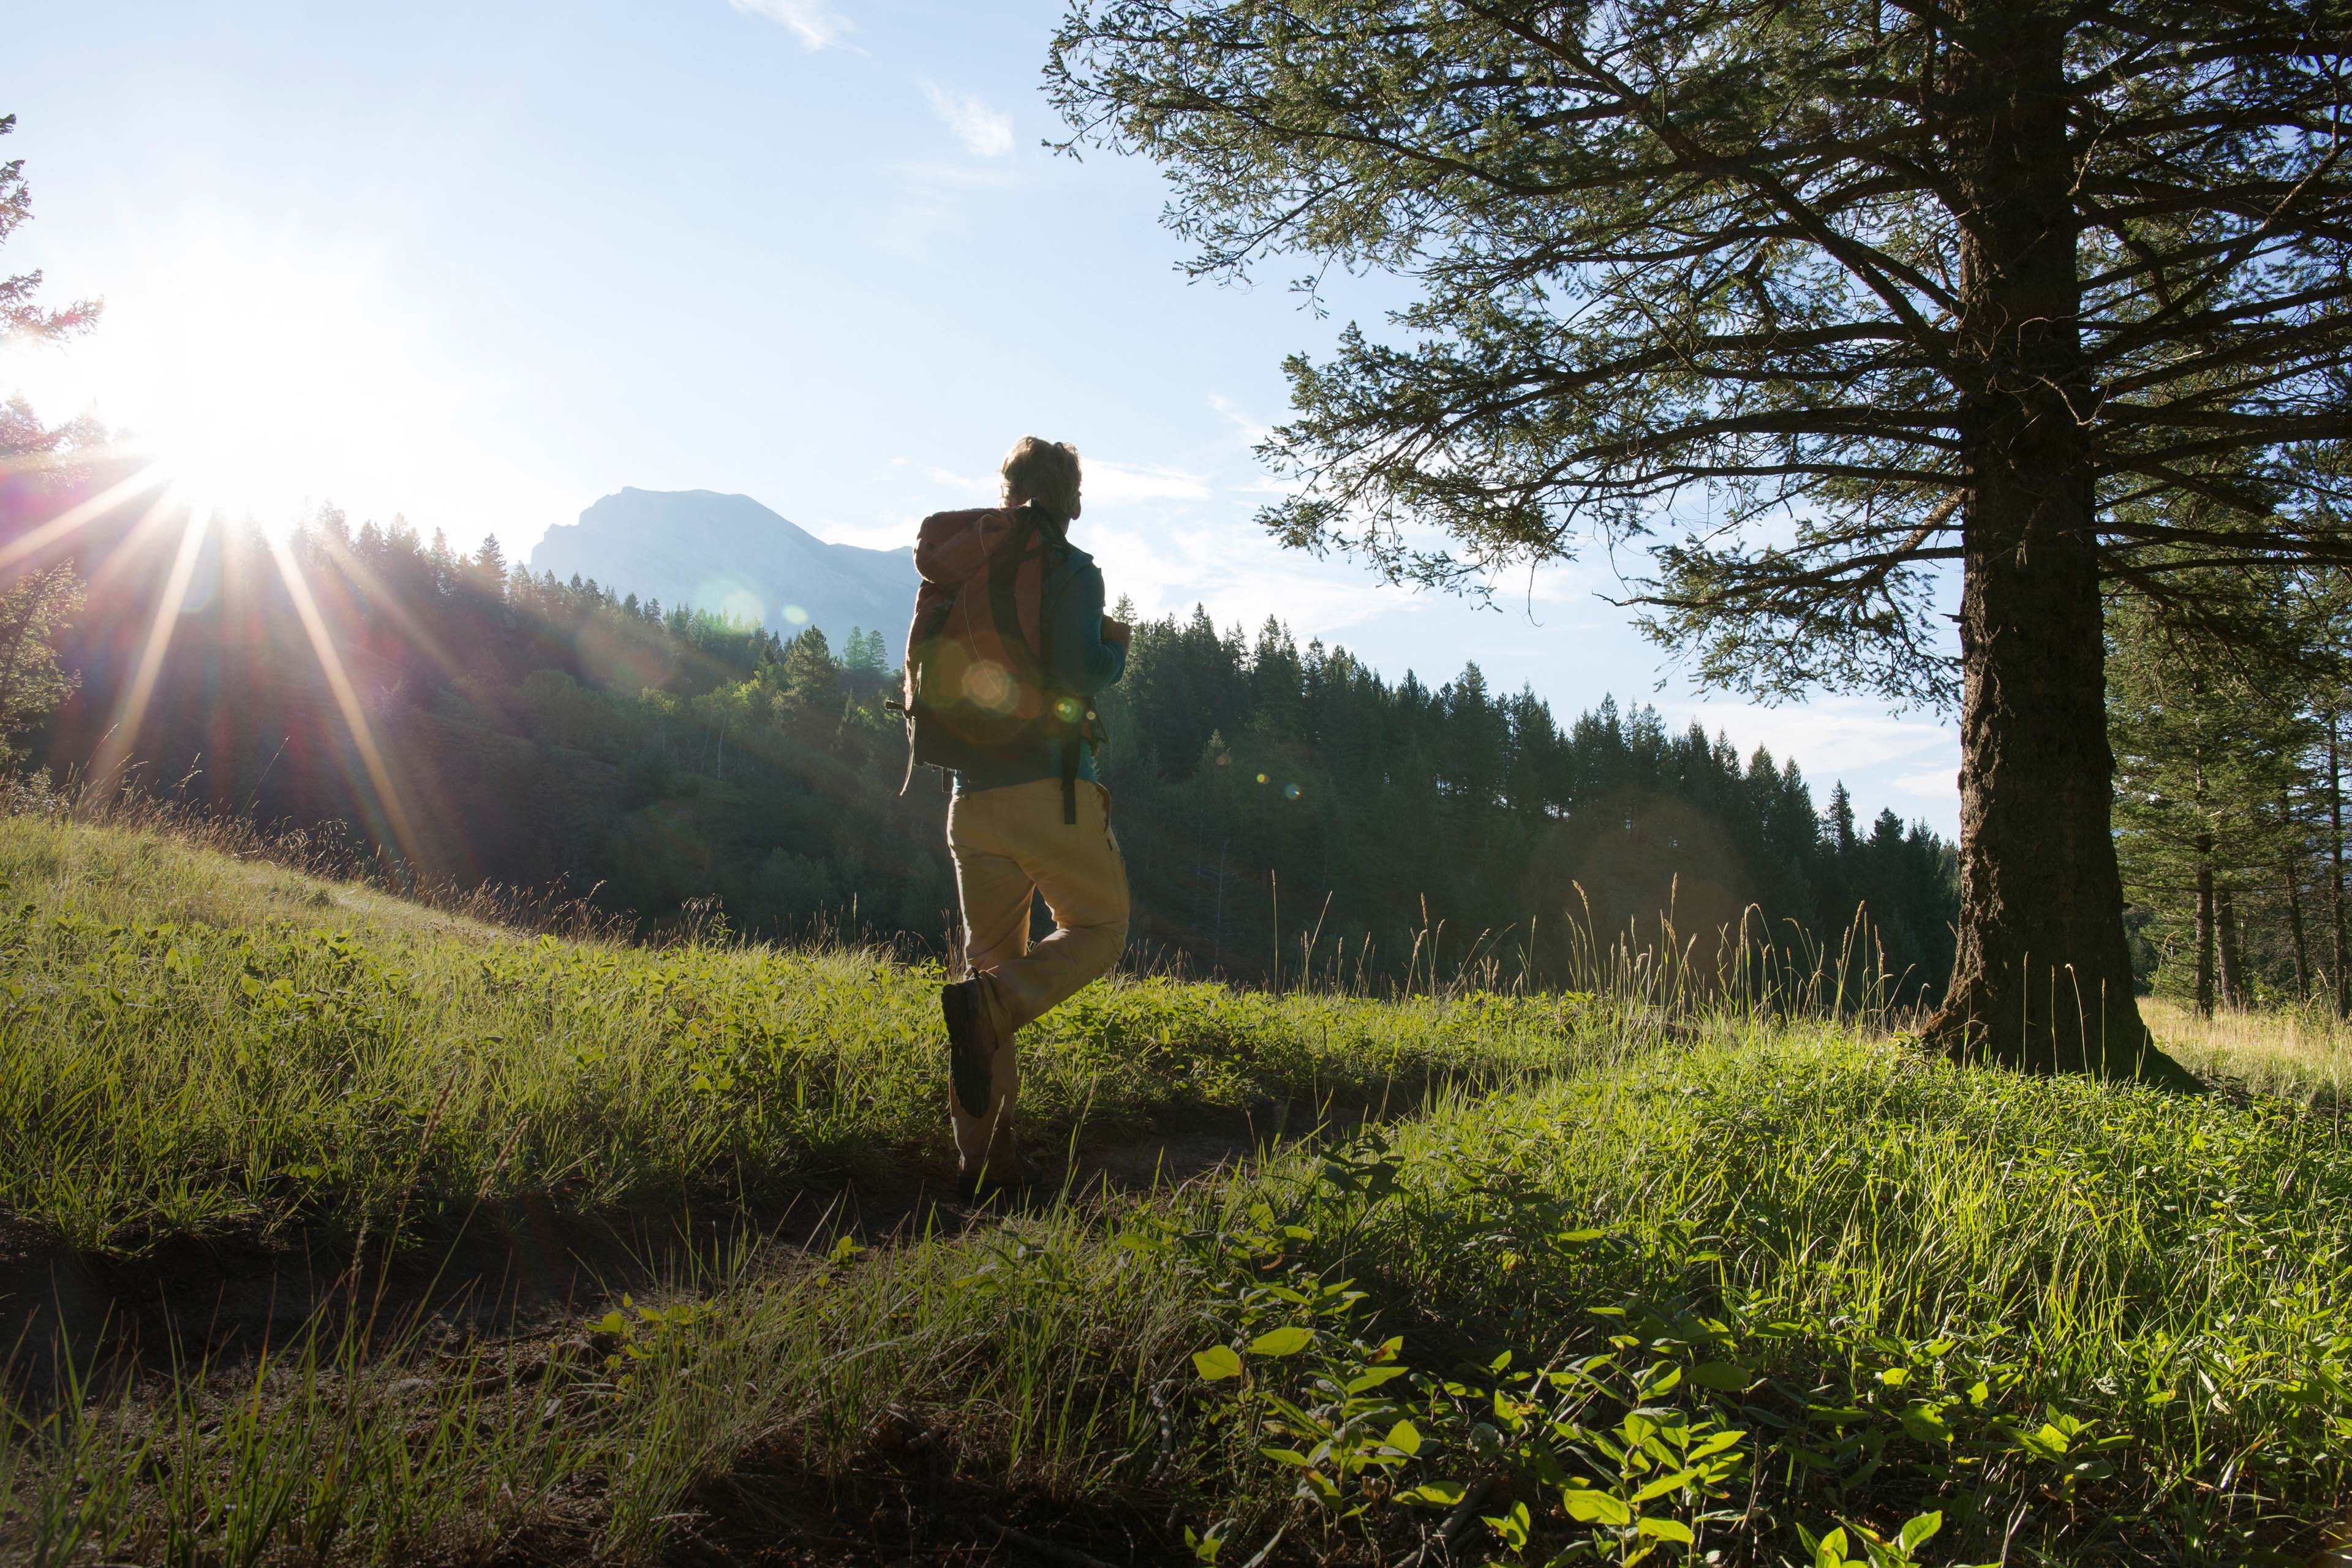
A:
[1277,805]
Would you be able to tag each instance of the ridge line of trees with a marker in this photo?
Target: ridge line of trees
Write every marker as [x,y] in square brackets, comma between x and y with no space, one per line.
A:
[542,730]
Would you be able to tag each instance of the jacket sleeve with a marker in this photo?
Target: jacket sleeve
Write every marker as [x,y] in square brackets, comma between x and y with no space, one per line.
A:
[1085,663]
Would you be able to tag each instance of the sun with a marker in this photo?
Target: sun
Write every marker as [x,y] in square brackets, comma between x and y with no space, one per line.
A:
[262,385]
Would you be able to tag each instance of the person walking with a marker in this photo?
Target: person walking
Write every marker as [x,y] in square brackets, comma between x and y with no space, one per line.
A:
[1008,648]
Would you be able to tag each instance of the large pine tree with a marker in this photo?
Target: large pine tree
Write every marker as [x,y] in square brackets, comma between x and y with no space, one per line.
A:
[1844,292]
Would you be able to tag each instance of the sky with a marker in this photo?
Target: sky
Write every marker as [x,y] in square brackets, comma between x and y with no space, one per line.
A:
[480,264]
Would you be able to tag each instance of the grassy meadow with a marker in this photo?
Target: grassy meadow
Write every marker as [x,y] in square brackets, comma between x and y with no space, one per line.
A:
[1586,1288]
[197,1046]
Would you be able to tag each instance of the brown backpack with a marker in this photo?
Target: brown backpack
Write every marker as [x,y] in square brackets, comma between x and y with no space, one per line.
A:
[977,684]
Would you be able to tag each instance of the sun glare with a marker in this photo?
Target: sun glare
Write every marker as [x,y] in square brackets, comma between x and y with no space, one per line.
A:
[261,386]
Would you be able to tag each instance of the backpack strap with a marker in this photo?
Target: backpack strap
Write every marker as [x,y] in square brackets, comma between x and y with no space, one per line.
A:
[1055,551]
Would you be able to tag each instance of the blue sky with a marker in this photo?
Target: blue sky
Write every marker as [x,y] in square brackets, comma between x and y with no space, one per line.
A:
[480,264]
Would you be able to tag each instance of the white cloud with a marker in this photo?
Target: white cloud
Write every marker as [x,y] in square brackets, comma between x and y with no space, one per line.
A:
[1937,784]
[936,176]
[894,535]
[1827,736]
[1252,430]
[985,132]
[1122,484]
[817,25]
[964,485]
[1168,563]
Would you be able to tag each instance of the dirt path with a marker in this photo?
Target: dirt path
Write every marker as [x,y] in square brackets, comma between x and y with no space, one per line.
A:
[517,1268]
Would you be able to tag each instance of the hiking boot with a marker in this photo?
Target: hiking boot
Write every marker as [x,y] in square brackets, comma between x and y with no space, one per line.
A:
[971,1043]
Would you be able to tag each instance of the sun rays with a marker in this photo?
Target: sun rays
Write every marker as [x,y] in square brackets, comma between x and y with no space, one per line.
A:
[386,793]
[90,531]
[131,709]
[58,530]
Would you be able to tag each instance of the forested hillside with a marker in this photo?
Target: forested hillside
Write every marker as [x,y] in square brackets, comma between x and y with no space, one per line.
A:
[1279,804]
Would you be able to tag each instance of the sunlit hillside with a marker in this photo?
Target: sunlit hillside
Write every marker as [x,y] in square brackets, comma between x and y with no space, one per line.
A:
[477,1244]
[1282,808]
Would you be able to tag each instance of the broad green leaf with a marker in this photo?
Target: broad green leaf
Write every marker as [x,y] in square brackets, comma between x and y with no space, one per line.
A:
[1511,1526]
[1404,1437]
[1925,1422]
[1727,1376]
[1217,1362]
[1918,1529]
[1374,1378]
[1831,1552]
[1282,1342]
[1716,1443]
[1664,1485]
[1587,1506]
[1667,1530]
[1286,1457]
[1442,1494]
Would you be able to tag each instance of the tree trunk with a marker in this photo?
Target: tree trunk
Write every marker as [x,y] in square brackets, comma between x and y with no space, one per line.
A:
[2204,925]
[2044,979]
[2295,926]
[2233,961]
[2335,858]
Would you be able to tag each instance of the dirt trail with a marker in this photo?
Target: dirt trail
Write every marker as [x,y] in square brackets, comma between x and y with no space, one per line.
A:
[517,1269]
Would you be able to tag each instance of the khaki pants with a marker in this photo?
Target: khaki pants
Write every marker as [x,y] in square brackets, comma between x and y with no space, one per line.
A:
[1007,843]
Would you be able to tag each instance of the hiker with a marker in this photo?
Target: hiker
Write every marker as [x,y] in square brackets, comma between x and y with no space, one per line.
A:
[1008,648]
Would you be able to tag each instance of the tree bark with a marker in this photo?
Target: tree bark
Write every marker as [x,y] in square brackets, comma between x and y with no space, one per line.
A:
[2233,961]
[2335,858]
[2044,979]
[2295,926]
[2204,925]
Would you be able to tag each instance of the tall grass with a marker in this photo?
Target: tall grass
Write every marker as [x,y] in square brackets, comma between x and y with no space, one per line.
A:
[2304,1051]
[2078,1322]
[1666,1216]
[190,1045]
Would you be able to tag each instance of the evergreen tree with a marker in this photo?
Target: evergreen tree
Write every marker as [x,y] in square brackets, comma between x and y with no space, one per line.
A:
[22,315]
[488,566]
[2217,748]
[810,680]
[1889,289]
[861,658]
[34,610]
[38,600]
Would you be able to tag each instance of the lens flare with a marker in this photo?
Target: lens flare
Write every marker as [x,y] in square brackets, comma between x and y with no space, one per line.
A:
[347,698]
[131,711]
[990,685]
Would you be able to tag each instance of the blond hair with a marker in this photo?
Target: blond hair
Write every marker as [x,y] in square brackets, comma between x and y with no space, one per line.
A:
[1045,472]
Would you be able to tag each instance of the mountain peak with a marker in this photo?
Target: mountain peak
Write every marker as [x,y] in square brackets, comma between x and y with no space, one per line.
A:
[730,554]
